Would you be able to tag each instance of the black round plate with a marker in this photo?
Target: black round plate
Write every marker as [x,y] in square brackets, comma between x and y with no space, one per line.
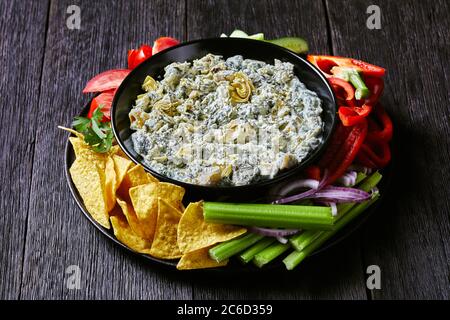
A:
[234,265]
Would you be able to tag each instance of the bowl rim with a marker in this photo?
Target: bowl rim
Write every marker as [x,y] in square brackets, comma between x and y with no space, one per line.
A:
[280,176]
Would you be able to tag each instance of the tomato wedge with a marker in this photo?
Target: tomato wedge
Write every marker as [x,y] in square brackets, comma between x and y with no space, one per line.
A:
[137,56]
[107,80]
[163,43]
[104,99]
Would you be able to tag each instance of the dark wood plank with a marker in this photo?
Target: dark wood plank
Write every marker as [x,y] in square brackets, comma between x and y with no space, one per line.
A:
[409,237]
[58,234]
[337,273]
[21,51]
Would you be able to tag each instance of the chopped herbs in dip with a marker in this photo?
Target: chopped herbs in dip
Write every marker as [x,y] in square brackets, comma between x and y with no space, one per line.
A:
[225,122]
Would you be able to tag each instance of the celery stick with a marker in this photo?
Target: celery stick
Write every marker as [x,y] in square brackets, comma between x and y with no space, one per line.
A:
[360,177]
[304,239]
[269,215]
[248,254]
[293,259]
[231,247]
[268,254]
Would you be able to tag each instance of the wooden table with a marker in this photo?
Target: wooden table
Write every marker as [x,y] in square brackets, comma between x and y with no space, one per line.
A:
[45,65]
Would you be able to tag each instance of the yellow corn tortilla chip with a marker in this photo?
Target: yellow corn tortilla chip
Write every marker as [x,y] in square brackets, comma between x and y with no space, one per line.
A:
[121,166]
[145,197]
[90,183]
[110,184]
[194,233]
[82,150]
[198,259]
[164,244]
[126,235]
[134,177]
[135,224]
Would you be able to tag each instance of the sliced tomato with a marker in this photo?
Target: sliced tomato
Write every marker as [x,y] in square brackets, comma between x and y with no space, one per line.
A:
[104,99]
[107,80]
[137,56]
[163,43]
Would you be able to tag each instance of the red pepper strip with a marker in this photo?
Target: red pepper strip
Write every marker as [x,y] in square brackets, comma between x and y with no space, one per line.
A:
[351,116]
[334,145]
[364,160]
[352,140]
[313,172]
[326,63]
[378,153]
[376,86]
[384,134]
[338,83]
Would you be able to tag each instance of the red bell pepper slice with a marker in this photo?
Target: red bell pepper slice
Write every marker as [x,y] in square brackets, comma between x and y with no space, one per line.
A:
[382,129]
[376,86]
[376,153]
[339,85]
[137,56]
[107,80]
[351,116]
[342,150]
[163,43]
[327,63]
[313,172]
[104,100]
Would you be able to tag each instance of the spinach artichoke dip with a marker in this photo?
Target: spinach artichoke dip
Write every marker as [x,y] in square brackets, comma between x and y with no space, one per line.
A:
[225,122]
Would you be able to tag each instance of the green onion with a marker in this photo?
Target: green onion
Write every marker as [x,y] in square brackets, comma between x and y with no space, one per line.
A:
[302,240]
[231,247]
[269,215]
[268,254]
[248,254]
[294,259]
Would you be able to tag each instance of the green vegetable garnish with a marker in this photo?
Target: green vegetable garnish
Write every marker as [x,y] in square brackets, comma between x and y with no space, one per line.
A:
[248,254]
[270,253]
[230,248]
[97,134]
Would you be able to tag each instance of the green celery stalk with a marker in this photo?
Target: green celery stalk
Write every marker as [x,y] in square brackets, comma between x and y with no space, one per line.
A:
[269,215]
[294,258]
[304,239]
[360,177]
[248,254]
[231,247]
[268,254]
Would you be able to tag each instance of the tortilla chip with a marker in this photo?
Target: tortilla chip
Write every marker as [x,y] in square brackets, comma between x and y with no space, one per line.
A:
[194,233]
[110,184]
[164,244]
[90,183]
[135,224]
[172,193]
[126,235]
[72,131]
[199,259]
[145,203]
[83,150]
[121,166]
[135,176]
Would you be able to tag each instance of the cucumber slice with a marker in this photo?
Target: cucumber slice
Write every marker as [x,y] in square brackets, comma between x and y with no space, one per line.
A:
[298,45]
[257,36]
[238,34]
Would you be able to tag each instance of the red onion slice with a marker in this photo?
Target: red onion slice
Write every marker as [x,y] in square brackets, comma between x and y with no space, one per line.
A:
[282,240]
[273,232]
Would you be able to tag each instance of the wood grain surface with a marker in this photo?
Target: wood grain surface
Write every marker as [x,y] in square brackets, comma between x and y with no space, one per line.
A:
[45,66]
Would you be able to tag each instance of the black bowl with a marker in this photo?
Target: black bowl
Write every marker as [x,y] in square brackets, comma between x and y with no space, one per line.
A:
[253,49]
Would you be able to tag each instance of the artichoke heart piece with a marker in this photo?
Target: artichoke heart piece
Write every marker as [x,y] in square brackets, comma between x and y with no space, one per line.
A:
[169,108]
[240,87]
[149,84]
